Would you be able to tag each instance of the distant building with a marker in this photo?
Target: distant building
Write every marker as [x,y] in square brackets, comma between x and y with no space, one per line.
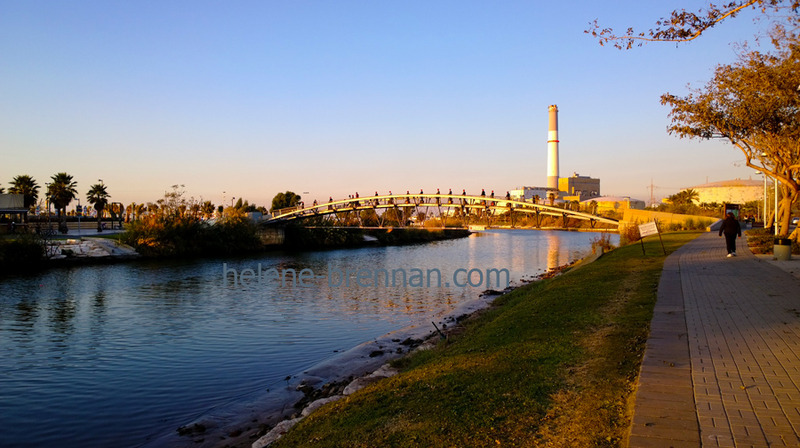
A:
[735,191]
[12,208]
[615,203]
[529,194]
[579,188]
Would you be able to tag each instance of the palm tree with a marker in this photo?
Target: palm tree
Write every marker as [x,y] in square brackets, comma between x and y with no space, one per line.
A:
[26,186]
[684,197]
[98,197]
[138,210]
[207,209]
[61,192]
[691,195]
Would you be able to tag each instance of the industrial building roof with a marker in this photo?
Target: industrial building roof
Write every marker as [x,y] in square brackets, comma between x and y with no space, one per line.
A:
[732,183]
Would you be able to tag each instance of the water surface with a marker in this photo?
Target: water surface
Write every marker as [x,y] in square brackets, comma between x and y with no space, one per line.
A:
[121,354]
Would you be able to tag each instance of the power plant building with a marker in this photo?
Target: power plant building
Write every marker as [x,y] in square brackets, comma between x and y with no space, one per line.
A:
[576,187]
[532,194]
[552,148]
[579,188]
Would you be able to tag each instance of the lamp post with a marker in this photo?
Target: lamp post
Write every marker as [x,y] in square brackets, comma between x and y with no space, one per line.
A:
[48,205]
[776,181]
[79,211]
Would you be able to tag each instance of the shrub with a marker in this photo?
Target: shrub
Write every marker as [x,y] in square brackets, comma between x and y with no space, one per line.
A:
[761,241]
[602,243]
[157,236]
[629,234]
[21,252]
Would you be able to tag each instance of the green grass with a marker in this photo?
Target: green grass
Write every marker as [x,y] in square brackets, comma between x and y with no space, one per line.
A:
[554,363]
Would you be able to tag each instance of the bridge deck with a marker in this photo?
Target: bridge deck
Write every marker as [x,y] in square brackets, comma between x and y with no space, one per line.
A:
[490,204]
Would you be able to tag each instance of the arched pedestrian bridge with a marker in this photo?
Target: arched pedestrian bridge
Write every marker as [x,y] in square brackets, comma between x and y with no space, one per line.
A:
[464,207]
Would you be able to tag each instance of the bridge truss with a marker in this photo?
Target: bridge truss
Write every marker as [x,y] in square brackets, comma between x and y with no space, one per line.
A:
[448,205]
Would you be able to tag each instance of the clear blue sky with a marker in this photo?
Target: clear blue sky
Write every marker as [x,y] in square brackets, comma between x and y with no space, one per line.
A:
[332,97]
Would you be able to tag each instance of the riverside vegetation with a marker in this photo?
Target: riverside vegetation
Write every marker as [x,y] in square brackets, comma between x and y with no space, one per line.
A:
[553,363]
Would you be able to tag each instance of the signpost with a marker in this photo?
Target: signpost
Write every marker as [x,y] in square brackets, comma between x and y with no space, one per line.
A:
[647,229]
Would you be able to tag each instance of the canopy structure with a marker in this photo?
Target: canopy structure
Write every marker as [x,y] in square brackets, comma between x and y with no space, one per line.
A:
[13,204]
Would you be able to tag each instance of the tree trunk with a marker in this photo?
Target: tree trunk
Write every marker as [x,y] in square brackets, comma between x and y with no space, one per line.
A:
[788,197]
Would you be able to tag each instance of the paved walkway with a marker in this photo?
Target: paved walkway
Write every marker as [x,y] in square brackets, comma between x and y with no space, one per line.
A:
[722,364]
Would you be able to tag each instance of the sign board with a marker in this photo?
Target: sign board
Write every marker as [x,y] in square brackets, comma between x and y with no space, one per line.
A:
[732,208]
[648,229]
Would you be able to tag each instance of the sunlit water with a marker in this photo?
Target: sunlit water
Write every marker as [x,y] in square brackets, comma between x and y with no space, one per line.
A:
[118,355]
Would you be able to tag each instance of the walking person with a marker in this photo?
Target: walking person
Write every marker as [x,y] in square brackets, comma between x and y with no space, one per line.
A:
[731,228]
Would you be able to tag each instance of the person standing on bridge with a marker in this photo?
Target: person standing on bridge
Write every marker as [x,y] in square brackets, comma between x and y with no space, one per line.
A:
[731,228]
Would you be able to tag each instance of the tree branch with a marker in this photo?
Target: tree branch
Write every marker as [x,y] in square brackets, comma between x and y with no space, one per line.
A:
[684,26]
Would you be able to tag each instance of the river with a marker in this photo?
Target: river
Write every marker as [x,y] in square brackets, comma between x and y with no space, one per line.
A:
[123,354]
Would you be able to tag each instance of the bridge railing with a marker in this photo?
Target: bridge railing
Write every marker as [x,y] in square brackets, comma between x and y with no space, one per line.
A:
[440,201]
[286,211]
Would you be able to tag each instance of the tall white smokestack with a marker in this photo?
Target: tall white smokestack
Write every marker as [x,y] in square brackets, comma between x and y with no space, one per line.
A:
[552,149]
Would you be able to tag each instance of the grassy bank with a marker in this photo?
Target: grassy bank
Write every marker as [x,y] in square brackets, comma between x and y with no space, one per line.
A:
[554,363]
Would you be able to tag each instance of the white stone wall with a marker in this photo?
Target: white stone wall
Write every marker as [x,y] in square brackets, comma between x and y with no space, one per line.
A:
[733,194]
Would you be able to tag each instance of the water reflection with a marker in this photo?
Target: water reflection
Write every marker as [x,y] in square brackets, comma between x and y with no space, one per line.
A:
[553,252]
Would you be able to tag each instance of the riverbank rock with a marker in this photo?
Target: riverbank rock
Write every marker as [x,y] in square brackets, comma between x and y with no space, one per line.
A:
[385,371]
[276,433]
[318,404]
